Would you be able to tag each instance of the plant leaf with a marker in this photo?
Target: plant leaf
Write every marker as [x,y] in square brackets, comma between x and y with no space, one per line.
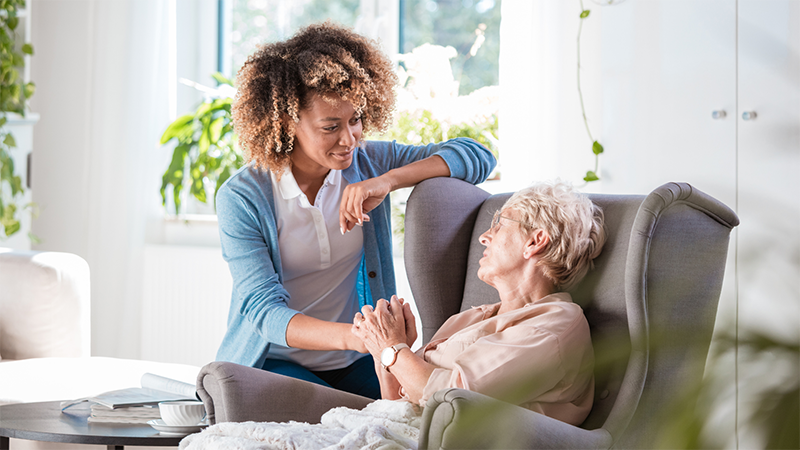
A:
[16,186]
[29,89]
[590,176]
[176,197]
[11,227]
[27,49]
[585,13]
[215,129]
[597,148]
[9,140]
[175,128]
[223,176]
[198,189]
[174,175]
[221,79]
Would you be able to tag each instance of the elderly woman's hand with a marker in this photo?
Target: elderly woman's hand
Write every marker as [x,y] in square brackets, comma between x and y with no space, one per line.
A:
[390,323]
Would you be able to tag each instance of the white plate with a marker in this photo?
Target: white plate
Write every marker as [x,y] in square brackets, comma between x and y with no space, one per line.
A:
[175,430]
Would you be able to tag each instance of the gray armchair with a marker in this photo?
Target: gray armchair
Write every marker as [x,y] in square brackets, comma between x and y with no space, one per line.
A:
[651,302]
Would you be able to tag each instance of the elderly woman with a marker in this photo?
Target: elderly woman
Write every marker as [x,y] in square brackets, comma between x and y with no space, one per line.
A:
[533,348]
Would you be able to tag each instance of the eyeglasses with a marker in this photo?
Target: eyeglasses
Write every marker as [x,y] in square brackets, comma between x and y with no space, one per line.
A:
[496,221]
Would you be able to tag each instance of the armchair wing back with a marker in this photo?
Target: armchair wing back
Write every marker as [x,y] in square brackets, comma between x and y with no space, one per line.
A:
[650,301]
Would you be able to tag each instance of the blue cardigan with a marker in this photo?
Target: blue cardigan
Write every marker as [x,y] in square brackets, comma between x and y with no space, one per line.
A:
[259,314]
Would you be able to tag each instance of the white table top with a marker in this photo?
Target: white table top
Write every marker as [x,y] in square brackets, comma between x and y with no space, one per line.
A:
[50,379]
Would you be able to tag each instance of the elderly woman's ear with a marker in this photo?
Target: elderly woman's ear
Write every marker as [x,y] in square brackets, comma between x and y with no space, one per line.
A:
[536,243]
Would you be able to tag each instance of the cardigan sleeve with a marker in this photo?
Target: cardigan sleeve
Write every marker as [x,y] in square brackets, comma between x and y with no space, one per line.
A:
[259,298]
[467,159]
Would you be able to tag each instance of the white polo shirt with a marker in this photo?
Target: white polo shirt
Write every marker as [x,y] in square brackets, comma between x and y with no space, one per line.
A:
[320,266]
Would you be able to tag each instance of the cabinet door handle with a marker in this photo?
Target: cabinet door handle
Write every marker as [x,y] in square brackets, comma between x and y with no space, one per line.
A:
[718,114]
[749,115]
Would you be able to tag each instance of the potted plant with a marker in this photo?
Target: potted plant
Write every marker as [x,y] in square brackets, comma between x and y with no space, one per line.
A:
[14,93]
[206,153]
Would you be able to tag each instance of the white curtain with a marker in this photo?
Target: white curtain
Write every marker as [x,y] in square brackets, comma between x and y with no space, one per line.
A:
[101,71]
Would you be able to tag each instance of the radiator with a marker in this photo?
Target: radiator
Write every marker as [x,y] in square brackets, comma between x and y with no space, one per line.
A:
[186,293]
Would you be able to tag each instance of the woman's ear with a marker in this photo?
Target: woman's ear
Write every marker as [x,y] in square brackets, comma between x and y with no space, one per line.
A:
[536,243]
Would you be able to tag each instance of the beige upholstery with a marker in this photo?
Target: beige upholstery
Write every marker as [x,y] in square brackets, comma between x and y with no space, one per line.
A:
[44,305]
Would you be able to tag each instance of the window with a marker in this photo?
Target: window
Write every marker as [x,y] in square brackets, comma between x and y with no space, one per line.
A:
[471,27]
[253,22]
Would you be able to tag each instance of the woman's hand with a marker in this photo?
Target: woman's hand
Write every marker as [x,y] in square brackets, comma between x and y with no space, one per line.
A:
[360,198]
[384,326]
[411,323]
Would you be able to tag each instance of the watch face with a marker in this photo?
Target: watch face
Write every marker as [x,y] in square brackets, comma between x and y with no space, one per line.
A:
[387,356]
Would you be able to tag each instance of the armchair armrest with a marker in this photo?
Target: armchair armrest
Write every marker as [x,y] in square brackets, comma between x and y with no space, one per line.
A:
[236,393]
[457,418]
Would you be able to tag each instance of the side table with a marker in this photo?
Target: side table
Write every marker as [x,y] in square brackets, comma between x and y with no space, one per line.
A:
[44,421]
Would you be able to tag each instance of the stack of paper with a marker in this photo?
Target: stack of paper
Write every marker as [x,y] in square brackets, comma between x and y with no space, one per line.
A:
[131,414]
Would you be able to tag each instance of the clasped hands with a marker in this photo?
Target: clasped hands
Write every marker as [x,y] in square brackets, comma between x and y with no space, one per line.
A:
[389,323]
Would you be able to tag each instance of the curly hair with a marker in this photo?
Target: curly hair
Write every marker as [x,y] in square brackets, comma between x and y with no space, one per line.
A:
[276,83]
[575,226]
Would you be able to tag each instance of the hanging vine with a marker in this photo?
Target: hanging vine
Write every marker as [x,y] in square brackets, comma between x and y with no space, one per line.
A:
[597,148]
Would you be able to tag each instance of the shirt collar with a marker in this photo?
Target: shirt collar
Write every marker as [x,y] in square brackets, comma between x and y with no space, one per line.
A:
[288,187]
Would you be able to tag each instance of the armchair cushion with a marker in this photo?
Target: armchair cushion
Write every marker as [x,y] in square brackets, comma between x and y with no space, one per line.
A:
[468,420]
[236,393]
[44,305]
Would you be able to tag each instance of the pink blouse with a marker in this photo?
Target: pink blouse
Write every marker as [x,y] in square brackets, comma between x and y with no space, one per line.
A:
[539,357]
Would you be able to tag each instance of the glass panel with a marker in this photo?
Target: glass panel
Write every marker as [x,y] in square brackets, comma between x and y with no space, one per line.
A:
[255,22]
[472,27]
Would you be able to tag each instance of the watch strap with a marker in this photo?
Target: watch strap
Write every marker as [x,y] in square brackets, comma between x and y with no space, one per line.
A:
[396,348]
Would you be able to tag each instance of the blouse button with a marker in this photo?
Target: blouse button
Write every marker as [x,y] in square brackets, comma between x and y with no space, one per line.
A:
[372,275]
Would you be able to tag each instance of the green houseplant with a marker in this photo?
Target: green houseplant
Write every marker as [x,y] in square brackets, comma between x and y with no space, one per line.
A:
[14,93]
[205,154]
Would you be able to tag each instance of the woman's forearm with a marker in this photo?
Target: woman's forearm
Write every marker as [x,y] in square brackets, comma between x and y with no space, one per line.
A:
[412,372]
[411,174]
[390,387]
[309,333]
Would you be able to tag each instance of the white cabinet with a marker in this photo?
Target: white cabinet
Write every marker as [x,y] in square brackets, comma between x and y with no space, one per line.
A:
[668,65]
[768,166]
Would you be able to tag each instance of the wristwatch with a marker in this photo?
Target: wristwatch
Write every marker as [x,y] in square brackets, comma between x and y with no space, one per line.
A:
[389,355]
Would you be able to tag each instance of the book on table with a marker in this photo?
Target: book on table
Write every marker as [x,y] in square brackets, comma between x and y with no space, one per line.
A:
[129,414]
[154,389]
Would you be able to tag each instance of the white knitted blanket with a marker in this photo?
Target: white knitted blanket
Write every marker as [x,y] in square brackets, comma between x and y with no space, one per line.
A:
[383,424]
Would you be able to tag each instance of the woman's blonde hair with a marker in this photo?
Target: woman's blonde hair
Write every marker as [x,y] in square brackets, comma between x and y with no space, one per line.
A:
[573,222]
[277,81]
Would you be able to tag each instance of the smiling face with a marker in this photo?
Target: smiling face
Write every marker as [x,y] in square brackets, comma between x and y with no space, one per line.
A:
[326,136]
[505,246]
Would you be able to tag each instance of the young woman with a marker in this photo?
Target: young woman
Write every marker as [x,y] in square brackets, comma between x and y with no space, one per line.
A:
[305,225]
